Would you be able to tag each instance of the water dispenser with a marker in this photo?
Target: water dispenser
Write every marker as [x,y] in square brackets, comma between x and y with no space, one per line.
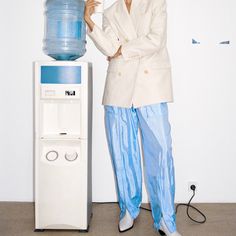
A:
[63,144]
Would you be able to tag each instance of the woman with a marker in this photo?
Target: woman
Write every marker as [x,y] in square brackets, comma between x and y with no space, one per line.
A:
[137,89]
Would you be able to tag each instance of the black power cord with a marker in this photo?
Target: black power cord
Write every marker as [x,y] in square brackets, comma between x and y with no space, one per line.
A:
[193,187]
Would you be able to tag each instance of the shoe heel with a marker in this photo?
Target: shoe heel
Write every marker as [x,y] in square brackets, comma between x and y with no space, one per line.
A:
[161,232]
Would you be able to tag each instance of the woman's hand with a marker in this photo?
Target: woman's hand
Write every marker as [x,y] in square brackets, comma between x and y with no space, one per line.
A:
[90,7]
[88,11]
[118,53]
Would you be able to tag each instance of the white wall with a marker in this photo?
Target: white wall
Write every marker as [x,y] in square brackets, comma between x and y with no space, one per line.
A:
[202,116]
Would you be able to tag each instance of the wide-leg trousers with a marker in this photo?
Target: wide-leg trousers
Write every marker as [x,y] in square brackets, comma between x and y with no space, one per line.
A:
[122,126]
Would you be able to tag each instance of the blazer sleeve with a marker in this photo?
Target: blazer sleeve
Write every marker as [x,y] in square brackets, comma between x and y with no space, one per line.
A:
[154,40]
[104,39]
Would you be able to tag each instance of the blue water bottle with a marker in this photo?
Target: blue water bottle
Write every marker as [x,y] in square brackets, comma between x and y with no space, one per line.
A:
[65,29]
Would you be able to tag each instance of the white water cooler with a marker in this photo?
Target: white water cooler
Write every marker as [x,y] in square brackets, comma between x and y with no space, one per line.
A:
[63,145]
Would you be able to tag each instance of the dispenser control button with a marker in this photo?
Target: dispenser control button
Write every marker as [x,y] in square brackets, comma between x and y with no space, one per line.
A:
[52,155]
[49,93]
[71,156]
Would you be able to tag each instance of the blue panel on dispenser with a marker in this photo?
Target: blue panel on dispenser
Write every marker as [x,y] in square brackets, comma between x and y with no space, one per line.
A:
[61,74]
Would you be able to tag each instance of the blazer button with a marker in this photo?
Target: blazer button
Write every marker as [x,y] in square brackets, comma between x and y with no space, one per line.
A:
[119,73]
[146,71]
[126,40]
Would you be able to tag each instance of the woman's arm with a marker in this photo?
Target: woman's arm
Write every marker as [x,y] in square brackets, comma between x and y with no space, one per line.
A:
[154,40]
[104,39]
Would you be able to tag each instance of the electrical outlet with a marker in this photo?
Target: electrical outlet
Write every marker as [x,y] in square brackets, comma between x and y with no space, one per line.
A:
[189,185]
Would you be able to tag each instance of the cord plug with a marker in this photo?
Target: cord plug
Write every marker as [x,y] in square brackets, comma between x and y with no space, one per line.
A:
[193,187]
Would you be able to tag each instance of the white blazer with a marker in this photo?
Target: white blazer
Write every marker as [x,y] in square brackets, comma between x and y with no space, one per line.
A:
[142,74]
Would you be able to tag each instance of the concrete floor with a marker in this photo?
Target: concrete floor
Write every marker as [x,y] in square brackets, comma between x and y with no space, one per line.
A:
[17,219]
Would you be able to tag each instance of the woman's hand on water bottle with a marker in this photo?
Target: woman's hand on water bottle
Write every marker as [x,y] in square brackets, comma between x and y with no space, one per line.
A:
[88,11]
[90,8]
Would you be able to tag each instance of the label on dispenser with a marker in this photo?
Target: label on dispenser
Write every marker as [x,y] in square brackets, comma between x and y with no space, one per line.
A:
[70,92]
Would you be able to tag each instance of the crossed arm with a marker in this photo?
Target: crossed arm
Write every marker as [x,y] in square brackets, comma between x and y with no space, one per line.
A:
[104,39]
[107,41]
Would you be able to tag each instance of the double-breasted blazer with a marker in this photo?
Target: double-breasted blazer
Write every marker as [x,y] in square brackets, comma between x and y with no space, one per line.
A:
[141,75]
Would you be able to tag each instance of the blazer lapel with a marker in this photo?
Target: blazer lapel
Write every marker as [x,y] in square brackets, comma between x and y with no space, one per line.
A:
[124,19]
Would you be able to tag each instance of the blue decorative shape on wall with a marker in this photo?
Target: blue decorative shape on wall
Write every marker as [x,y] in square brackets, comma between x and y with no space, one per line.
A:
[195,41]
[225,42]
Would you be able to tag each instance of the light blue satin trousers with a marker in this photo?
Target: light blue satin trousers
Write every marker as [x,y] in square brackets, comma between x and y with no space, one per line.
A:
[122,126]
